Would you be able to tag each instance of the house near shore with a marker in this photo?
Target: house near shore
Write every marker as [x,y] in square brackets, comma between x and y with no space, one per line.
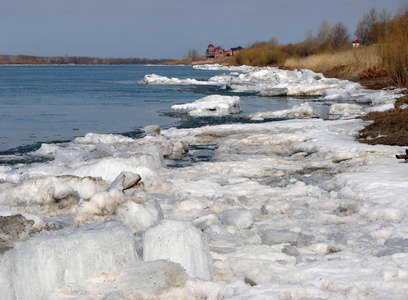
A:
[356,43]
[213,52]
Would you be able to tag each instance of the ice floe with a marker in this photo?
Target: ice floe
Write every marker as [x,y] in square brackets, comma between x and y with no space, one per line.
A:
[214,105]
[304,110]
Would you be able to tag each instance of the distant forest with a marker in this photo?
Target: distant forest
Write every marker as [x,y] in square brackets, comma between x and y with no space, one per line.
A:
[76,60]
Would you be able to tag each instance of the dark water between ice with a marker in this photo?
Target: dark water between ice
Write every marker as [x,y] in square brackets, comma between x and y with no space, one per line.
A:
[57,103]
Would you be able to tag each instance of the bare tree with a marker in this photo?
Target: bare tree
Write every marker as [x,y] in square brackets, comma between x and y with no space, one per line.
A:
[273,41]
[192,55]
[363,30]
[339,36]
[309,45]
[378,29]
[324,34]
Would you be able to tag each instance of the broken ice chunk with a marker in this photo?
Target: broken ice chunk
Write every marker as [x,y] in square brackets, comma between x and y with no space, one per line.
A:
[125,180]
[179,242]
[151,277]
[240,218]
[272,237]
[214,105]
[49,260]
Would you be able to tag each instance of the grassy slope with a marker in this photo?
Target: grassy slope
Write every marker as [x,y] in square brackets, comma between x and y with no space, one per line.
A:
[365,66]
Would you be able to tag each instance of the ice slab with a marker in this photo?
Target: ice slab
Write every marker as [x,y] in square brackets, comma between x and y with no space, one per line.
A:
[140,216]
[303,110]
[179,242]
[214,105]
[158,79]
[124,181]
[240,218]
[345,110]
[49,260]
[273,237]
[151,277]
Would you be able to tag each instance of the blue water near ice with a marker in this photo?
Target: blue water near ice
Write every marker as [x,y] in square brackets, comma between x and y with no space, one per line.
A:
[57,103]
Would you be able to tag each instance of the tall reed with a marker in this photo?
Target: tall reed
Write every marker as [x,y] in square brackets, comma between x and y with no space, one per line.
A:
[393,49]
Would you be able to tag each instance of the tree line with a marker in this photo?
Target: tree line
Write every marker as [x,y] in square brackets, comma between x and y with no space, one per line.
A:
[371,30]
[77,60]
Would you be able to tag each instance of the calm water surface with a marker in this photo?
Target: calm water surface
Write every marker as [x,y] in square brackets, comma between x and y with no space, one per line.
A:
[57,103]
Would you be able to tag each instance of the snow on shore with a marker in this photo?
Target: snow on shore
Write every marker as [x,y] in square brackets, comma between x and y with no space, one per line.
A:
[291,209]
[271,82]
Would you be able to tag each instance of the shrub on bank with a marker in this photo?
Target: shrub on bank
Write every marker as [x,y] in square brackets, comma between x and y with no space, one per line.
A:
[260,54]
[348,64]
[393,48]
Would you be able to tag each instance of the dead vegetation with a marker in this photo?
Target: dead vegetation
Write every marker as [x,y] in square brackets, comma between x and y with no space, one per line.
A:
[388,127]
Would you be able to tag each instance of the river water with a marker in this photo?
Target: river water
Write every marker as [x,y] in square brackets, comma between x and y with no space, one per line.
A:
[57,103]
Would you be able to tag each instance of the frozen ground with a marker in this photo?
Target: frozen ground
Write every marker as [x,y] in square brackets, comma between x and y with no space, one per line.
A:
[293,209]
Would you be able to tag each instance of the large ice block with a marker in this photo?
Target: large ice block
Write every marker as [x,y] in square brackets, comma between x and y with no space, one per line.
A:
[179,242]
[49,260]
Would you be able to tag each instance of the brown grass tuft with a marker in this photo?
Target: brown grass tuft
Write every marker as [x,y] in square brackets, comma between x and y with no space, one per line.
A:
[352,64]
[389,127]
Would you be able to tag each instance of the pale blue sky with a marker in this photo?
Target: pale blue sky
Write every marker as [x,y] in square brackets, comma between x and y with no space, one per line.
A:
[165,28]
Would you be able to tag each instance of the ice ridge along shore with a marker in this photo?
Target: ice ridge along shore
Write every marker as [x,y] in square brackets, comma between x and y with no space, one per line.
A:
[288,209]
[271,82]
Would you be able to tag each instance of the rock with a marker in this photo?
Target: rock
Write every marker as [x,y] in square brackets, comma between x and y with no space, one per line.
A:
[13,229]
[179,242]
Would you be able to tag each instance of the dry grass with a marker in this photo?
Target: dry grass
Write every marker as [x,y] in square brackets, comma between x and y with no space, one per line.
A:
[352,64]
[393,49]
[262,54]
[388,127]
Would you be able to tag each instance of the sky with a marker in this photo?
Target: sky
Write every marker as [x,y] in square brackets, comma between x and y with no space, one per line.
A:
[166,28]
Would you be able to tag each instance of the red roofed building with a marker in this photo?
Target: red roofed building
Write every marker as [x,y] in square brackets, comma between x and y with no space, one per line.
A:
[356,43]
[218,52]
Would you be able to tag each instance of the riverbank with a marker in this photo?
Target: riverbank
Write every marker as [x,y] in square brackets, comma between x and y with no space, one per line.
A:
[363,66]
[389,127]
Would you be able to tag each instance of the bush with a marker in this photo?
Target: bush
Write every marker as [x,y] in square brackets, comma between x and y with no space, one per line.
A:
[260,54]
[393,49]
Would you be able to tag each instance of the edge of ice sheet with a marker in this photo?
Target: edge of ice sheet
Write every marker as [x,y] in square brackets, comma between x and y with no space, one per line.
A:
[214,105]
[270,81]
[303,110]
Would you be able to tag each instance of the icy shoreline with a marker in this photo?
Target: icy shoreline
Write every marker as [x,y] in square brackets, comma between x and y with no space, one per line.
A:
[297,202]
[271,82]
[283,210]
